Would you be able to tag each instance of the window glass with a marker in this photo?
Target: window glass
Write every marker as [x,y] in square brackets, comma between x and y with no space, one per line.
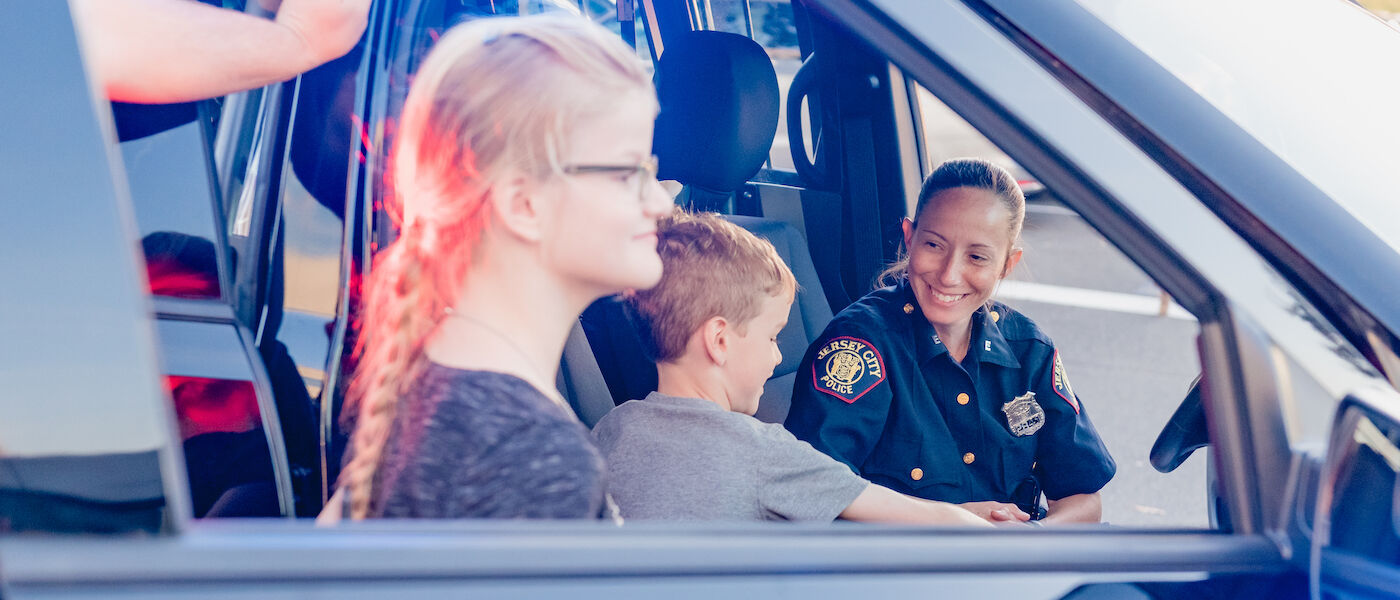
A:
[171,191]
[771,24]
[178,196]
[1128,349]
[226,452]
[311,280]
[1337,128]
[945,135]
[227,449]
[325,138]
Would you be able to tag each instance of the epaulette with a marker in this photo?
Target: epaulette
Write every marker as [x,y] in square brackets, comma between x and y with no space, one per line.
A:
[1018,327]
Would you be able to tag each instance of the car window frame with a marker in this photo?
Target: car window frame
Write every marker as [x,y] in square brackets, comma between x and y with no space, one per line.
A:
[1189,552]
[1239,396]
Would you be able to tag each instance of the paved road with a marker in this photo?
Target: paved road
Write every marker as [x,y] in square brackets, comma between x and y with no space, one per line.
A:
[1129,365]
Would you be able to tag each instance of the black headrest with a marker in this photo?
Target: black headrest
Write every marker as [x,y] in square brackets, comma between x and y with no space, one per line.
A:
[719,109]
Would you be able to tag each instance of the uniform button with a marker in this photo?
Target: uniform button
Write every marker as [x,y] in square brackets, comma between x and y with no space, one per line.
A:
[908,309]
[995,317]
[968,458]
[962,398]
[916,474]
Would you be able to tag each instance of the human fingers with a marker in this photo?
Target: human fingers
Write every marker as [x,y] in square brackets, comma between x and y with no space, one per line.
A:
[328,28]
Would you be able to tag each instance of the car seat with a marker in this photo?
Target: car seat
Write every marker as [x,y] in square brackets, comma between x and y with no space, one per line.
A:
[719,111]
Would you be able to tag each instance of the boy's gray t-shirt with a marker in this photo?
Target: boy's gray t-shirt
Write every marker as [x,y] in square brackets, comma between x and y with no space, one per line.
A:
[685,458]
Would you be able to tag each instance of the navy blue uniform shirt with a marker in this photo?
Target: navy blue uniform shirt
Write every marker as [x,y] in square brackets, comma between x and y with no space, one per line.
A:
[879,392]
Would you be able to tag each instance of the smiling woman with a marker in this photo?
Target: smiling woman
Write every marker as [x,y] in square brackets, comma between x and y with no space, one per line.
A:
[1002,402]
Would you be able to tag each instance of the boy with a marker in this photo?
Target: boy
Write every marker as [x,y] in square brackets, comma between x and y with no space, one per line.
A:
[692,450]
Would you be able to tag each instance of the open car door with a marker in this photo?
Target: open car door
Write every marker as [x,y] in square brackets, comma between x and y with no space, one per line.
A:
[1356,540]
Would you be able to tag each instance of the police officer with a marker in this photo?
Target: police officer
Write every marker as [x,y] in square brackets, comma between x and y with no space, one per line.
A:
[931,389]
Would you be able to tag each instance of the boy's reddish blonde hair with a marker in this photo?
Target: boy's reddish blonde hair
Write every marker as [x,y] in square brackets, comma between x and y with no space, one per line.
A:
[710,268]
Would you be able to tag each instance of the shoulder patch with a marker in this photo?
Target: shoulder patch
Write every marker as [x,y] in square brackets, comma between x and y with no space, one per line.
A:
[1060,382]
[847,368]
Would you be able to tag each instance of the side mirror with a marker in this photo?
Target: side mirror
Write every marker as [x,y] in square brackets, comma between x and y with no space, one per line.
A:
[1356,541]
[1183,434]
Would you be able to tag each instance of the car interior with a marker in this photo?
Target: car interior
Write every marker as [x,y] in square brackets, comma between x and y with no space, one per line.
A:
[821,159]
[259,213]
[773,115]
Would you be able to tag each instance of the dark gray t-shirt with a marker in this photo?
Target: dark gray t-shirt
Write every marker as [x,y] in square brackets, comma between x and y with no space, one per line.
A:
[482,444]
[689,459]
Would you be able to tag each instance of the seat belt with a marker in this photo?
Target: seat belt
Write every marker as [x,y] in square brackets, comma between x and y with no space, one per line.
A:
[867,253]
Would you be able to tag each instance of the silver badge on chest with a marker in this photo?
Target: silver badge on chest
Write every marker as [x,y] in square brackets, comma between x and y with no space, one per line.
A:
[1024,415]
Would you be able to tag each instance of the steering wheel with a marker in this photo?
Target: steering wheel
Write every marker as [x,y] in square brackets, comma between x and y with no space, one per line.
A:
[1183,434]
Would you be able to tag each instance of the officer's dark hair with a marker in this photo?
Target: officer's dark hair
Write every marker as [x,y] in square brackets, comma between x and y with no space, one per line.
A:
[970,173]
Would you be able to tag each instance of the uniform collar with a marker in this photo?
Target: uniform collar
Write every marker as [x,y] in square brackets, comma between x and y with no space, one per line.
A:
[988,344]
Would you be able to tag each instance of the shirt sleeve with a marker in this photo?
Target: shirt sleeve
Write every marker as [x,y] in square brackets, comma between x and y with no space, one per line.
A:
[798,483]
[1071,459]
[840,407]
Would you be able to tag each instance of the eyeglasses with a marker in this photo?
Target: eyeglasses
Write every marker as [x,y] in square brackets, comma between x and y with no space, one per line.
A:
[638,175]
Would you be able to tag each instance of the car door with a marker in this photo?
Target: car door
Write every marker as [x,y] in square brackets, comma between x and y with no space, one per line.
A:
[1356,542]
[1243,306]
[1122,191]
[1263,468]
[86,428]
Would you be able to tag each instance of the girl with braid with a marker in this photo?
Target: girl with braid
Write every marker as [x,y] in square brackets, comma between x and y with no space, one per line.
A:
[527,190]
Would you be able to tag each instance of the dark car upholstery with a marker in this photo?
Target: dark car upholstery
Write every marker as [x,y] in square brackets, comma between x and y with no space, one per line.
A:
[719,112]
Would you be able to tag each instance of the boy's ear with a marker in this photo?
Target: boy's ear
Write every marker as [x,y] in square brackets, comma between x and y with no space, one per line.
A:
[515,205]
[714,337]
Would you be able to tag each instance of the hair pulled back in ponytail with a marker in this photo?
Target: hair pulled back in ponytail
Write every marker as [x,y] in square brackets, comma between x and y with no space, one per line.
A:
[970,173]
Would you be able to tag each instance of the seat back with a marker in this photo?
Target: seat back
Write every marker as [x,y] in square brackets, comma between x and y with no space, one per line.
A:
[719,112]
[808,317]
[580,381]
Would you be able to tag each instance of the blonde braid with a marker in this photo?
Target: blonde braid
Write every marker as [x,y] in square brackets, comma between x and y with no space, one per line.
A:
[462,123]
[388,352]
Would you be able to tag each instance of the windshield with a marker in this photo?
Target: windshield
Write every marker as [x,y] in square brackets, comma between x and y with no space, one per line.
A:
[1315,81]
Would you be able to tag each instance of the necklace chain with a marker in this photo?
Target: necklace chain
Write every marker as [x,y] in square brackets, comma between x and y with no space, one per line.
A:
[610,507]
[549,391]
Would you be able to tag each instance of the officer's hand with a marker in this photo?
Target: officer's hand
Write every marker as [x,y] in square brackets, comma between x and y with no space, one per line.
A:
[997,512]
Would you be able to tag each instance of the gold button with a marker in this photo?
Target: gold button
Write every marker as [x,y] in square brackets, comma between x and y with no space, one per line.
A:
[908,309]
[916,474]
[995,317]
[968,458]
[962,398]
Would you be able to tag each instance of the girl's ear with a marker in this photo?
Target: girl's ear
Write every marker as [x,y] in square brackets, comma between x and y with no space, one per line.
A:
[1011,261]
[714,336]
[517,206]
[907,227]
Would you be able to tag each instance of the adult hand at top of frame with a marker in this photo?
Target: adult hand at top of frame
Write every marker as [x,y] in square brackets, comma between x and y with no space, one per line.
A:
[328,28]
[166,51]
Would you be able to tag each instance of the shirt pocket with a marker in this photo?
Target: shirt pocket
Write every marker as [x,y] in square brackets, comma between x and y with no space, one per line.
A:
[911,465]
[1017,456]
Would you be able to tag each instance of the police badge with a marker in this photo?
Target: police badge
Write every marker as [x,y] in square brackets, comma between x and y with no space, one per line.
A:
[1024,415]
